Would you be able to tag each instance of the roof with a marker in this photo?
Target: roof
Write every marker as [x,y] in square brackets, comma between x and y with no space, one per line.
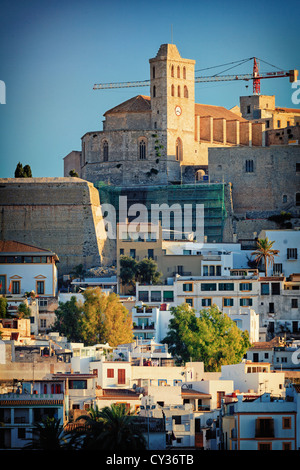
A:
[217,112]
[275,342]
[117,393]
[11,246]
[287,110]
[189,392]
[137,104]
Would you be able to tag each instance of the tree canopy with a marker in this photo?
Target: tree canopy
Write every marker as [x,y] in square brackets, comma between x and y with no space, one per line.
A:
[100,318]
[210,337]
[144,271]
[23,172]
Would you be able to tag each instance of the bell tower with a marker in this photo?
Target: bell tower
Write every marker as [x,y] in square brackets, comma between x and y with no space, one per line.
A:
[172,83]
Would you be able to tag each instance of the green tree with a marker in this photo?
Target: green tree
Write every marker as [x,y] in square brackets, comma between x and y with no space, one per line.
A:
[48,434]
[265,252]
[78,272]
[27,172]
[67,320]
[3,307]
[21,172]
[112,428]
[210,337]
[128,269]
[73,173]
[23,310]
[147,271]
[104,319]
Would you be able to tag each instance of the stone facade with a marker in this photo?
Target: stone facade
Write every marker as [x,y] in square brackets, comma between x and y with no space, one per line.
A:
[148,139]
[61,214]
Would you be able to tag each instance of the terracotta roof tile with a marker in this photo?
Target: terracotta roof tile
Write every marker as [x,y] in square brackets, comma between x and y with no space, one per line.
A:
[216,112]
[11,246]
[137,104]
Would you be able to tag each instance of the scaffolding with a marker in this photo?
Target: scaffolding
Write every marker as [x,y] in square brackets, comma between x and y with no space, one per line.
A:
[210,195]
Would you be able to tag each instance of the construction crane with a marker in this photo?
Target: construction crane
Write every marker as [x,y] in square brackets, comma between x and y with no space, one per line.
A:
[256,76]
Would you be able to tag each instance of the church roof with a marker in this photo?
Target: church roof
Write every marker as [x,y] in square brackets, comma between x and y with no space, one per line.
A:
[216,112]
[137,104]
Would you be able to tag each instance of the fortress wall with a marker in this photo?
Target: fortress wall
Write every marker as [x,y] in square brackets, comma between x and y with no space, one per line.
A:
[59,214]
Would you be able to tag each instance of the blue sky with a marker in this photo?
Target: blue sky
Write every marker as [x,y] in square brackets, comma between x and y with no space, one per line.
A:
[52,53]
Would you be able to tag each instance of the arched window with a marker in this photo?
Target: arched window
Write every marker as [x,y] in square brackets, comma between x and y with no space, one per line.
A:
[142,149]
[105,151]
[154,91]
[153,72]
[178,150]
[178,91]
[184,73]
[172,90]
[178,72]
[186,92]
[172,71]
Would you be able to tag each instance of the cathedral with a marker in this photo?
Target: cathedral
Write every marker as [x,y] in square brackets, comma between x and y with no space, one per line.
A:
[162,138]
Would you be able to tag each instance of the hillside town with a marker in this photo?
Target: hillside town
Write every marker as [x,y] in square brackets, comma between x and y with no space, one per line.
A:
[175,214]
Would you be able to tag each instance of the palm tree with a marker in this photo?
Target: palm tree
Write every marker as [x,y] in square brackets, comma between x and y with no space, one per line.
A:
[265,251]
[111,428]
[49,435]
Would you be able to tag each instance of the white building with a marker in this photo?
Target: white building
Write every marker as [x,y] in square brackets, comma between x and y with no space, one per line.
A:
[287,242]
[254,377]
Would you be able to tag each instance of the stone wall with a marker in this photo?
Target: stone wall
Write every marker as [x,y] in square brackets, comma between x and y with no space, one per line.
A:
[59,214]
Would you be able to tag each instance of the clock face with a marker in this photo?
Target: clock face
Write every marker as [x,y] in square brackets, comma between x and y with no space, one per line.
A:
[178,110]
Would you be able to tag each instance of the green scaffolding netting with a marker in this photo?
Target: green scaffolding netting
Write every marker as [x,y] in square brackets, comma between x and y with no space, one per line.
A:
[210,195]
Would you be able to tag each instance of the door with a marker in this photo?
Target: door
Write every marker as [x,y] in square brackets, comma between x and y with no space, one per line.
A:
[121,376]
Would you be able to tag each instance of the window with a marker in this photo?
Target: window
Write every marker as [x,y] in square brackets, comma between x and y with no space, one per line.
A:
[248,109]
[277,268]
[284,198]
[153,72]
[267,124]
[16,287]
[2,284]
[264,427]
[245,286]
[121,251]
[226,286]
[264,288]
[275,287]
[155,296]
[297,199]
[121,377]
[154,91]
[206,302]
[143,296]
[132,253]
[228,302]
[172,71]
[294,303]
[208,287]
[264,446]
[178,72]
[297,167]
[110,373]
[178,91]
[142,150]
[278,123]
[168,296]
[245,302]
[184,72]
[271,307]
[78,384]
[249,166]
[178,150]
[105,151]
[40,287]
[190,302]
[176,419]
[172,90]
[286,446]
[188,287]
[185,92]
[151,253]
[292,253]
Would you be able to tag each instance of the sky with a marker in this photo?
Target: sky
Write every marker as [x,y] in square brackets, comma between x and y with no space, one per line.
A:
[53,52]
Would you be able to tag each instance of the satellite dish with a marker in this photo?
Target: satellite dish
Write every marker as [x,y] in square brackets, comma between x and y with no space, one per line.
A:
[209,422]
